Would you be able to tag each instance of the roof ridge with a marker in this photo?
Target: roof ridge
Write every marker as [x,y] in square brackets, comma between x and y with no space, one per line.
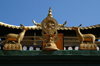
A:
[37,27]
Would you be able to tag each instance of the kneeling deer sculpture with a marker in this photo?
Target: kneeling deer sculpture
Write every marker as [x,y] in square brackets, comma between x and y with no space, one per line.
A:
[16,37]
[84,37]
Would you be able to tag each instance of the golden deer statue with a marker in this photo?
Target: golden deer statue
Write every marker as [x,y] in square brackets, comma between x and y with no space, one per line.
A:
[84,37]
[16,37]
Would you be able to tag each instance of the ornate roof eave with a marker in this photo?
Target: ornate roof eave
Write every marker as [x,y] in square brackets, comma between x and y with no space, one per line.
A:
[82,28]
[39,28]
[18,27]
[90,27]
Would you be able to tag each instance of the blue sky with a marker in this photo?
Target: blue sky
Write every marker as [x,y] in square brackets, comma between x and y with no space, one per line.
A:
[16,12]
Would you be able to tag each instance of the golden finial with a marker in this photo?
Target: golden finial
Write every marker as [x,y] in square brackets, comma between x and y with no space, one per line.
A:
[50,14]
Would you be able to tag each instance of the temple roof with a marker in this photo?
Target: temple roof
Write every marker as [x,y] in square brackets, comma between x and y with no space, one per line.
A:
[39,28]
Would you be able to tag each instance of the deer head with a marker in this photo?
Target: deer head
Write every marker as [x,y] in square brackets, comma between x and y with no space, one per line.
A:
[23,27]
[76,28]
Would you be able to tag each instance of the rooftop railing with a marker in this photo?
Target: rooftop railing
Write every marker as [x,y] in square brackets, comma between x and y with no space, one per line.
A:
[36,42]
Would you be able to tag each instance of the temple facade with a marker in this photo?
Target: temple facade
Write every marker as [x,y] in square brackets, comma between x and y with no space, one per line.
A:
[49,43]
[33,37]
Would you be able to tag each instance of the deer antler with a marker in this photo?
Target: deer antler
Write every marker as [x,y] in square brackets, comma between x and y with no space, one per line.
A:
[37,24]
[34,22]
[65,23]
[80,25]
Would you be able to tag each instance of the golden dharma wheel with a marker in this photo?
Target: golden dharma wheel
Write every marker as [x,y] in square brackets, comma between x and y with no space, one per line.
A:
[49,25]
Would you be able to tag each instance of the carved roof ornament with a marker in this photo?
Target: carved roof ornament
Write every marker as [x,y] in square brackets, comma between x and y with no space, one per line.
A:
[49,24]
[50,12]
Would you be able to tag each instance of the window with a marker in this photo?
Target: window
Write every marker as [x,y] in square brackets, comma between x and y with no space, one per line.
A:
[64,48]
[31,48]
[70,48]
[37,48]
[99,40]
[24,48]
[76,48]
[97,48]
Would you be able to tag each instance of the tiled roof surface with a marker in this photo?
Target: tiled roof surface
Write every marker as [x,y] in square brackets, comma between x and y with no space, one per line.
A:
[39,28]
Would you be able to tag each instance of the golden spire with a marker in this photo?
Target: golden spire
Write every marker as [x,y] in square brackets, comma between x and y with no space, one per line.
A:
[50,14]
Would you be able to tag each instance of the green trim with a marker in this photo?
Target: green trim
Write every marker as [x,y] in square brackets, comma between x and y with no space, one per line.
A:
[50,57]
[59,52]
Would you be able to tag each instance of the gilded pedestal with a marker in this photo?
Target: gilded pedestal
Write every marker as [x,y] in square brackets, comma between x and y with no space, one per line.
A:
[88,46]
[13,46]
